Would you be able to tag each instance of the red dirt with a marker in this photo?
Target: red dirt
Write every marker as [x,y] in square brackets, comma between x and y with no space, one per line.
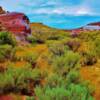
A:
[92,73]
[8,97]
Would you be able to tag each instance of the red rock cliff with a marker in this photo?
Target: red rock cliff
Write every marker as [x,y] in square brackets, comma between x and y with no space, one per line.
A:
[17,23]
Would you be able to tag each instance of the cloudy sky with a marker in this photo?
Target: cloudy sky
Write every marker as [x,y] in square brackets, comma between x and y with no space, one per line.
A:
[65,14]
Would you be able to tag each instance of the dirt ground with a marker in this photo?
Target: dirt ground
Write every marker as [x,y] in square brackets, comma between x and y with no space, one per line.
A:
[92,73]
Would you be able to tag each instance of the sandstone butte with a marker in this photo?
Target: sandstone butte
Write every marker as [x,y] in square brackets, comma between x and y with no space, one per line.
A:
[17,23]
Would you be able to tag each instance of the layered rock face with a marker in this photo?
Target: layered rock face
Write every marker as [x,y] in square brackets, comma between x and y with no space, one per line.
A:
[92,26]
[17,23]
[97,24]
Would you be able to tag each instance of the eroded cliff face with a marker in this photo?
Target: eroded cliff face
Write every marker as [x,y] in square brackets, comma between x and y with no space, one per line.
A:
[17,23]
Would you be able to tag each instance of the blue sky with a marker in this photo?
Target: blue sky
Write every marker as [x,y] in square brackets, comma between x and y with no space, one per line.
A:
[64,14]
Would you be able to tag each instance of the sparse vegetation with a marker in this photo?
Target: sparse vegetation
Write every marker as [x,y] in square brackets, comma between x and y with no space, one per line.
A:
[50,69]
[7,38]
[5,52]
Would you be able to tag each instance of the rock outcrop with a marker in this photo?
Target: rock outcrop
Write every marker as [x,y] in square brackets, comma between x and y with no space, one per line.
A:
[96,23]
[17,23]
[92,26]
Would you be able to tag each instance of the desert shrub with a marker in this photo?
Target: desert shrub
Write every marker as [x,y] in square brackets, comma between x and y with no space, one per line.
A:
[73,44]
[31,57]
[6,82]
[71,92]
[69,60]
[93,39]
[59,35]
[89,35]
[40,35]
[56,80]
[31,39]
[58,93]
[88,53]
[43,34]
[79,92]
[97,47]
[7,38]
[57,47]
[89,58]
[73,77]
[21,54]
[19,80]
[63,87]
[5,52]
[19,64]
[30,98]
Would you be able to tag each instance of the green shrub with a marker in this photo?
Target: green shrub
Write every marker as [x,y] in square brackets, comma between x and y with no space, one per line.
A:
[57,47]
[73,77]
[43,34]
[89,58]
[32,39]
[56,80]
[89,35]
[97,46]
[73,44]
[19,80]
[69,60]
[5,52]
[26,56]
[30,57]
[58,93]
[89,54]
[72,92]
[7,38]
[30,98]
[79,92]
[40,36]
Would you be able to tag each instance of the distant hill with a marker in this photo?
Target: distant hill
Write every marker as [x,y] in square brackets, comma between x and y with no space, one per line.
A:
[44,28]
[92,26]
[95,23]
[41,26]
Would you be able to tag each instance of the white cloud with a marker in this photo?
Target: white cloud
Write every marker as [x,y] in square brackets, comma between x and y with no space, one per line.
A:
[42,7]
[84,11]
[75,11]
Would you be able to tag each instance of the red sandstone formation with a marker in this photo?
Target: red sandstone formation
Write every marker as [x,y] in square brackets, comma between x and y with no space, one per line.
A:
[97,24]
[88,27]
[16,23]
